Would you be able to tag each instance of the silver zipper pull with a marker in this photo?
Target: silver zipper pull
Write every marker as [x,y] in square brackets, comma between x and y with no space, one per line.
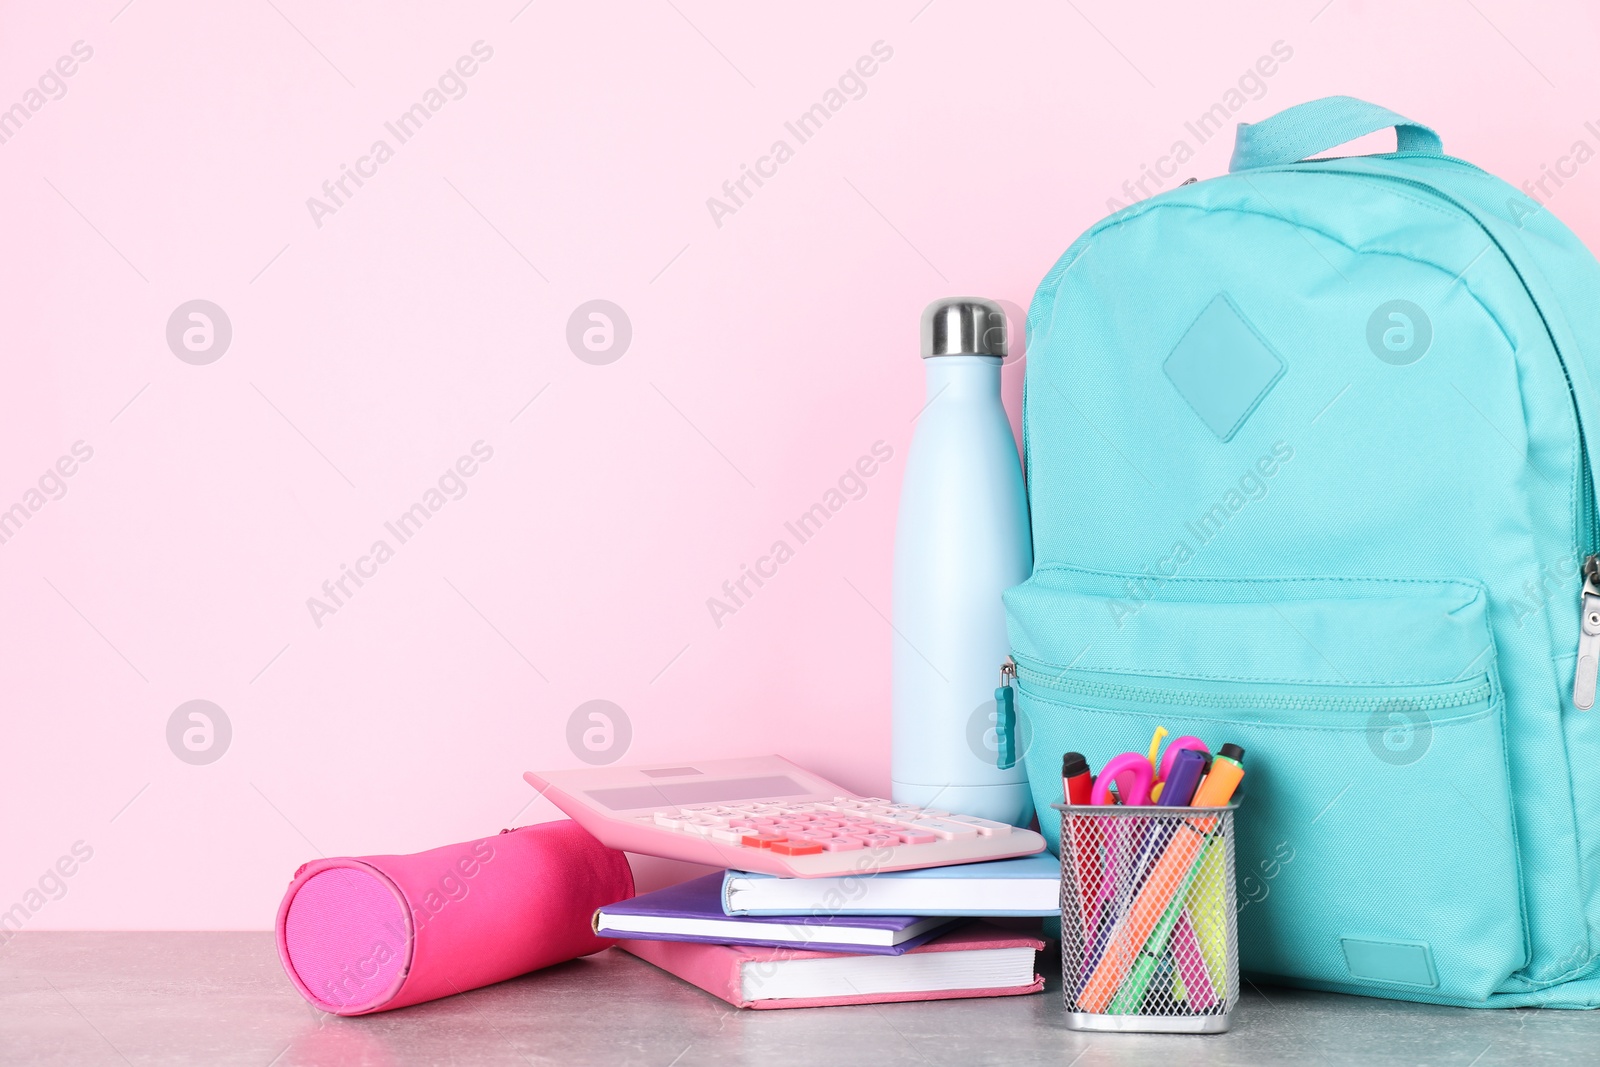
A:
[1583,686]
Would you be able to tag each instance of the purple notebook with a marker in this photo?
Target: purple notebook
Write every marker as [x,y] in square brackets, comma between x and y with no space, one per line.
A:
[692,911]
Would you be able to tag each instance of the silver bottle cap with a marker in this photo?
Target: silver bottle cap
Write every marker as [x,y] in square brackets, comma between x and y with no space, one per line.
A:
[963,326]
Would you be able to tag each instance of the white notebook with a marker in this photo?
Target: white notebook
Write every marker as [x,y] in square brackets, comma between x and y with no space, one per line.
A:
[1029,886]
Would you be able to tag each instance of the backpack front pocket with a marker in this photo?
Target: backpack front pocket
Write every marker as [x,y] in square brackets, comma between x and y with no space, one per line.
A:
[1376,848]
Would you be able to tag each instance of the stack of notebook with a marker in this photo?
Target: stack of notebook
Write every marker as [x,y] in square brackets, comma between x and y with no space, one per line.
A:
[758,941]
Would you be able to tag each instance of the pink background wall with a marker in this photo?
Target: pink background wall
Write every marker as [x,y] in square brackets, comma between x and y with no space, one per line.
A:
[429,312]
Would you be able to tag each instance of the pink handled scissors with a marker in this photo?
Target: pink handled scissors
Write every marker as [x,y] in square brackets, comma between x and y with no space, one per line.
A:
[1133,775]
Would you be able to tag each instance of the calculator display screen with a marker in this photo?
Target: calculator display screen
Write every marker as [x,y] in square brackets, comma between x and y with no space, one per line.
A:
[716,791]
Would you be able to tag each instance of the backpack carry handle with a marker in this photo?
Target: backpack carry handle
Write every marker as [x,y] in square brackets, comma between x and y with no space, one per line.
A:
[1318,125]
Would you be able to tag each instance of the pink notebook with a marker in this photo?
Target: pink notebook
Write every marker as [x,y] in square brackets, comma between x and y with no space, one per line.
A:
[979,960]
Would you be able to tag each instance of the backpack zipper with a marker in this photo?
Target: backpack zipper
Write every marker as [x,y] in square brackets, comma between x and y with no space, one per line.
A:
[1587,672]
[1463,696]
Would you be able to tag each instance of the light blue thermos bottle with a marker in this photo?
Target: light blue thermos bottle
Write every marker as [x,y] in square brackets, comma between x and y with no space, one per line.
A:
[961,540]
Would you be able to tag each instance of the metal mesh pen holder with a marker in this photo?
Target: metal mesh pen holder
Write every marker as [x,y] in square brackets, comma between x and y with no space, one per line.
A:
[1148,906]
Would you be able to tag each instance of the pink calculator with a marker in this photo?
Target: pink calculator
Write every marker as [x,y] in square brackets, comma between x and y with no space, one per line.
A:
[765,814]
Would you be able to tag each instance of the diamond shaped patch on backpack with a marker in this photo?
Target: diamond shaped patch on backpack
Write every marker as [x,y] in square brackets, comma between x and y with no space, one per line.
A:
[1222,367]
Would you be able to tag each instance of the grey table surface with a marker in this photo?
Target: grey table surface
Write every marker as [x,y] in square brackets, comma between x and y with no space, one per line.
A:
[220,999]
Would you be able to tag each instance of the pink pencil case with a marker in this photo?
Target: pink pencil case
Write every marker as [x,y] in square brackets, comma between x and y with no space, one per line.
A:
[372,933]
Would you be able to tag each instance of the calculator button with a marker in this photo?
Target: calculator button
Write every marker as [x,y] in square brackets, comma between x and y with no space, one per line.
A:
[793,847]
[949,831]
[915,837]
[668,821]
[986,827]
[842,843]
[760,840]
[899,818]
[730,834]
[879,840]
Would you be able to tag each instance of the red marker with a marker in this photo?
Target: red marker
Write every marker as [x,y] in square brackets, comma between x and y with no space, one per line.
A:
[1076,780]
[1076,785]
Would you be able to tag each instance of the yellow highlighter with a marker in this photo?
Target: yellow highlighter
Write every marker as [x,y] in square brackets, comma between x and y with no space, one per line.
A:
[1207,909]
[1208,915]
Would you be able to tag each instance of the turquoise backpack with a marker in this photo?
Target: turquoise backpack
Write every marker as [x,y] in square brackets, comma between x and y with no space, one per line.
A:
[1310,451]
